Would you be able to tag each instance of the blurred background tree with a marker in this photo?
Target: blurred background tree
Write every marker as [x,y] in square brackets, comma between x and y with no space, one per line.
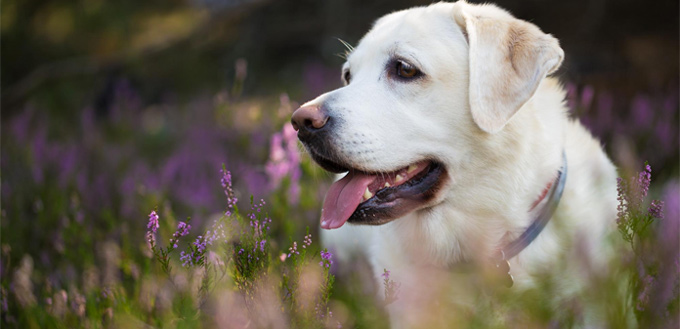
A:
[61,55]
[65,52]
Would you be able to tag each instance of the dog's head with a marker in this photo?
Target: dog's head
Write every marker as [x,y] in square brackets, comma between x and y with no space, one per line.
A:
[422,90]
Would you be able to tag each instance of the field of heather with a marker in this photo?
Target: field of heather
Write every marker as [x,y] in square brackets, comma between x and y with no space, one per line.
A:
[150,177]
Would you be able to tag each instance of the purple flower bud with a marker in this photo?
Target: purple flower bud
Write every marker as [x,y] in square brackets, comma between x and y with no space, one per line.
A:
[153,222]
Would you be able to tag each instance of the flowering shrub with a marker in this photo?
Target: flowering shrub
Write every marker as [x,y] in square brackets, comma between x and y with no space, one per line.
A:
[249,262]
[634,219]
[78,249]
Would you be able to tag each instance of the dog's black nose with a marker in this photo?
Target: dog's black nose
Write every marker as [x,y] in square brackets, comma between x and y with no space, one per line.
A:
[309,119]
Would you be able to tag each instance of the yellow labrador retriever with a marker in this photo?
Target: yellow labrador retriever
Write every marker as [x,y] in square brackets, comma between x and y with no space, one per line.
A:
[457,148]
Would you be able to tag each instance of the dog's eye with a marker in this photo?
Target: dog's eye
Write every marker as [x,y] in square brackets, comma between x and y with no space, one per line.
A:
[347,76]
[406,70]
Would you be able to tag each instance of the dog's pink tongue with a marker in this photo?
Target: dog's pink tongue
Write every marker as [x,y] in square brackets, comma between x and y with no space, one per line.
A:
[343,198]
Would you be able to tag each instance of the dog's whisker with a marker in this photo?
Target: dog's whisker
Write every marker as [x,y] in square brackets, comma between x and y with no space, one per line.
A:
[346,44]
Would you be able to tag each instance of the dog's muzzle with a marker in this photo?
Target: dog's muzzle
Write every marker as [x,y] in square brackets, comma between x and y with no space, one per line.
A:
[314,128]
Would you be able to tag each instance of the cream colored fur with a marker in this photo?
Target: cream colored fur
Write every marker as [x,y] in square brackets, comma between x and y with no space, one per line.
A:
[486,111]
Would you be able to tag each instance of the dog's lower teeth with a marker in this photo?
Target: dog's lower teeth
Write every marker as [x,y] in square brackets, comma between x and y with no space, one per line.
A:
[387,184]
[367,194]
[398,178]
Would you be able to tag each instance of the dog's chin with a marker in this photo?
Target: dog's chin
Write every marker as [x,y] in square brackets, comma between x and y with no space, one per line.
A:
[327,164]
[388,195]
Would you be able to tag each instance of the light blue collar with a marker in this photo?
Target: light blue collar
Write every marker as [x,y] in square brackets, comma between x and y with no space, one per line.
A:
[500,259]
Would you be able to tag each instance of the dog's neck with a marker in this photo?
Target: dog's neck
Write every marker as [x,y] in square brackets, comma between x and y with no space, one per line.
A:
[554,191]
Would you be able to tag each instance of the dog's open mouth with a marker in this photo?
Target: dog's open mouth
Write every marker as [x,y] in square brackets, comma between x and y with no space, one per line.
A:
[377,198]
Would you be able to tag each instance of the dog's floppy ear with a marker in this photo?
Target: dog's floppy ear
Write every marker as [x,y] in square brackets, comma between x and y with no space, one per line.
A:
[508,59]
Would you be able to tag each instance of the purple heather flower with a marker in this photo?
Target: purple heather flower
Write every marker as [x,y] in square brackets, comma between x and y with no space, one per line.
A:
[200,244]
[262,243]
[151,240]
[259,226]
[153,227]
[284,160]
[153,222]
[257,208]
[293,250]
[632,194]
[391,287]
[290,137]
[216,232]
[186,259]
[182,230]
[276,167]
[622,192]
[656,209]
[189,259]
[326,260]
[194,257]
[228,190]
[307,241]
[276,153]
[644,178]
